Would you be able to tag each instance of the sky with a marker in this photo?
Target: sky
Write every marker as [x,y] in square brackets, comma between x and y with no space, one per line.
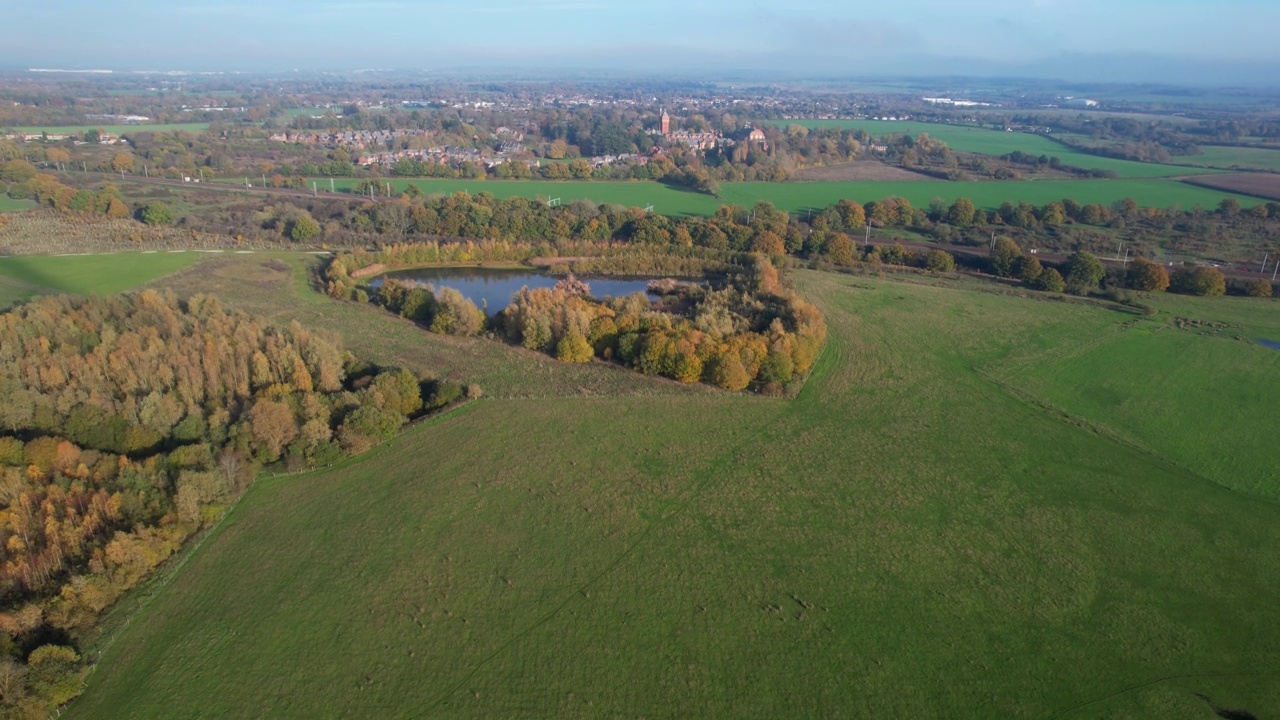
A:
[1196,41]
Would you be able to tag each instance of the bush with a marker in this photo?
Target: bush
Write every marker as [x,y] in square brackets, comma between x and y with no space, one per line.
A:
[156,213]
[940,261]
[1259,288]
[1050,280]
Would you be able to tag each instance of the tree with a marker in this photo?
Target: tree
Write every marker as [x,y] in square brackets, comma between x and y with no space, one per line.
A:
[1205,281]
[57,156]
[840,249]
[1148,276]
[1029,269]
[1084,272]
[52,674]
[961,212]
[940,261]
[1260,288]
[1004,256]
[122,162]
[573,348]
[273,427]
[1051,281]
[729,372]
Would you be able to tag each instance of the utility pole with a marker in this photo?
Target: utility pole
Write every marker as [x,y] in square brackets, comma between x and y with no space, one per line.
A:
[1126,259]
[1273,272]
[330,184]
[313,188]
[1264,262]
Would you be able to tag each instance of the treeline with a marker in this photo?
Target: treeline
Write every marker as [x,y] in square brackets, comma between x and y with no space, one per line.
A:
[751,332]
[345,274]
[132,421]
[22,181]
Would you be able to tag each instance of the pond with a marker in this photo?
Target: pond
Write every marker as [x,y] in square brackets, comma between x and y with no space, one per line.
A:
[1273,344]
[496,287]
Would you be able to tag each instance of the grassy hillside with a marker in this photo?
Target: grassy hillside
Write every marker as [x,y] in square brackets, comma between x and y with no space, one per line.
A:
[969,139]
[803,196]
[906,539]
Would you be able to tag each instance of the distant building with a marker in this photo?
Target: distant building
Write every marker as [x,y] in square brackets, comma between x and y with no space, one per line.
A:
[666,124]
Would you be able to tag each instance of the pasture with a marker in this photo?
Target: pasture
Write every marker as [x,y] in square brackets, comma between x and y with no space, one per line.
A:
[1232,158]
[803,196]
[22,276]
[918,534]
[984,141]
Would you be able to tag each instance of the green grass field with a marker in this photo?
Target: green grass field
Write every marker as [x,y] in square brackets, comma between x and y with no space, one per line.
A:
[1218,156]
[23,276]
[8,204]
[907,538]
[113,129]
[804,196]
[994,142]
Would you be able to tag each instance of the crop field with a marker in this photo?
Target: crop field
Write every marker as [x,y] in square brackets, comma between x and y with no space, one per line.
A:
[803,196]
[923,532]
[798,197]
[23,276]
[994,142]
[113,129]
[1230,158]
[1261,185]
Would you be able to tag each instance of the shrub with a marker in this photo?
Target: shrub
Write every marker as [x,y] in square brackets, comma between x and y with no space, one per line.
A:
[1259,288]
[1203,281]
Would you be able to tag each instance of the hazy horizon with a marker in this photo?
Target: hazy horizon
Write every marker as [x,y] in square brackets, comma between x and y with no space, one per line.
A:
[1174,41]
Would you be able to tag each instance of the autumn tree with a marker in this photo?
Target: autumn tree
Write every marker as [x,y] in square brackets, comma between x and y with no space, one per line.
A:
[122,162]
[840,249]
[1148,276]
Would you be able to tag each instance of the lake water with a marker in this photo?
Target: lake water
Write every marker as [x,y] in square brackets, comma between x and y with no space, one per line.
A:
[1273,344]
[497,287]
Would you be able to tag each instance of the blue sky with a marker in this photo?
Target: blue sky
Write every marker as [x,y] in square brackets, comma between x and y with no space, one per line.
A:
[1063,38]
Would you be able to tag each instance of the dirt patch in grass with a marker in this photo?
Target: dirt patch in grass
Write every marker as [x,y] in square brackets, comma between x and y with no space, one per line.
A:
[1263,185]
[858,170]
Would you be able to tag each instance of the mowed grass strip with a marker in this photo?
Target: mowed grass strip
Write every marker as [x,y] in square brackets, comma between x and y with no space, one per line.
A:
[984,141]
[8,204]
[905,539]
[801,197]
[89,274]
